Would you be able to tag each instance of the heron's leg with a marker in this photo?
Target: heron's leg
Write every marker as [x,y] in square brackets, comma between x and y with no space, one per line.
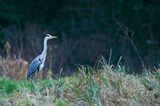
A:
[36,73]
[33,83]
[37,91]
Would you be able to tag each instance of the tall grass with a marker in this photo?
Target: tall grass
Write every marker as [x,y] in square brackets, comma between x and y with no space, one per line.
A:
[105,86]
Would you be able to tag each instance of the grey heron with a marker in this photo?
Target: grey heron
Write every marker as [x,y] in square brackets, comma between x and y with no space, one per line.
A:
[38,63]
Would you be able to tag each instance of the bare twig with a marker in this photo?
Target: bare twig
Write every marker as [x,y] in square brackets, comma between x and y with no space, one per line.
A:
[110,56]
[128,34]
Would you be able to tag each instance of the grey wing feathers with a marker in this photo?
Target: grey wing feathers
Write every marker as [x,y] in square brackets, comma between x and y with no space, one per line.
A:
[33,67]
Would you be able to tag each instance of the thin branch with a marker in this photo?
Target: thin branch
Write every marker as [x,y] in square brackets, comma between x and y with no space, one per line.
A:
[128,34]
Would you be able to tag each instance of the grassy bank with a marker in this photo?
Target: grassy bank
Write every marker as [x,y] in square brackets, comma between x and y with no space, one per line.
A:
[107,85]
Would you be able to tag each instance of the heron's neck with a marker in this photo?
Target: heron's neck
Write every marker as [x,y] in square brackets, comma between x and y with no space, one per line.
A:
[45,47]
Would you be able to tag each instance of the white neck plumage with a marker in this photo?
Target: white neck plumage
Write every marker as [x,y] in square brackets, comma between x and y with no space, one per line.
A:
[45,47]
[44,52]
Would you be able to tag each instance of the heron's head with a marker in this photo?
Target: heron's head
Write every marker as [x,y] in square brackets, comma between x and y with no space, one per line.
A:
[48,36]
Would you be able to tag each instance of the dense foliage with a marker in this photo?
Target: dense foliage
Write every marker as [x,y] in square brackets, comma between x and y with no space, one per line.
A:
[92,20]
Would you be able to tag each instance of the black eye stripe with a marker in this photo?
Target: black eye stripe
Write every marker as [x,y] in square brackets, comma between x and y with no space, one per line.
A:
[47,35]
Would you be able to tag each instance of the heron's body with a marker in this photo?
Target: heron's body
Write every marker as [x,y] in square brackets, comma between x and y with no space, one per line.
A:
[38,63]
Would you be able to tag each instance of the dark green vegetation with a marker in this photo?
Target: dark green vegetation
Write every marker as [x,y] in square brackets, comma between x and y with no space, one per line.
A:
[83,27]
[107,86]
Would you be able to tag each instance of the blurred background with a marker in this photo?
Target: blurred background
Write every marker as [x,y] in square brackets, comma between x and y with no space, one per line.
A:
[86,30]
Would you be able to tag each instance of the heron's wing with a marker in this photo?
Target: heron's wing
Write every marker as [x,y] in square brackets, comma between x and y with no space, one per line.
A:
[34,66]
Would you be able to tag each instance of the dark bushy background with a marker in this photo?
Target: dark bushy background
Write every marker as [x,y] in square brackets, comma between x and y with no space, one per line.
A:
[86,30]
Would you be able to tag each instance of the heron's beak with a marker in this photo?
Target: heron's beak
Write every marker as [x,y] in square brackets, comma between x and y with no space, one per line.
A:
[53,37]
